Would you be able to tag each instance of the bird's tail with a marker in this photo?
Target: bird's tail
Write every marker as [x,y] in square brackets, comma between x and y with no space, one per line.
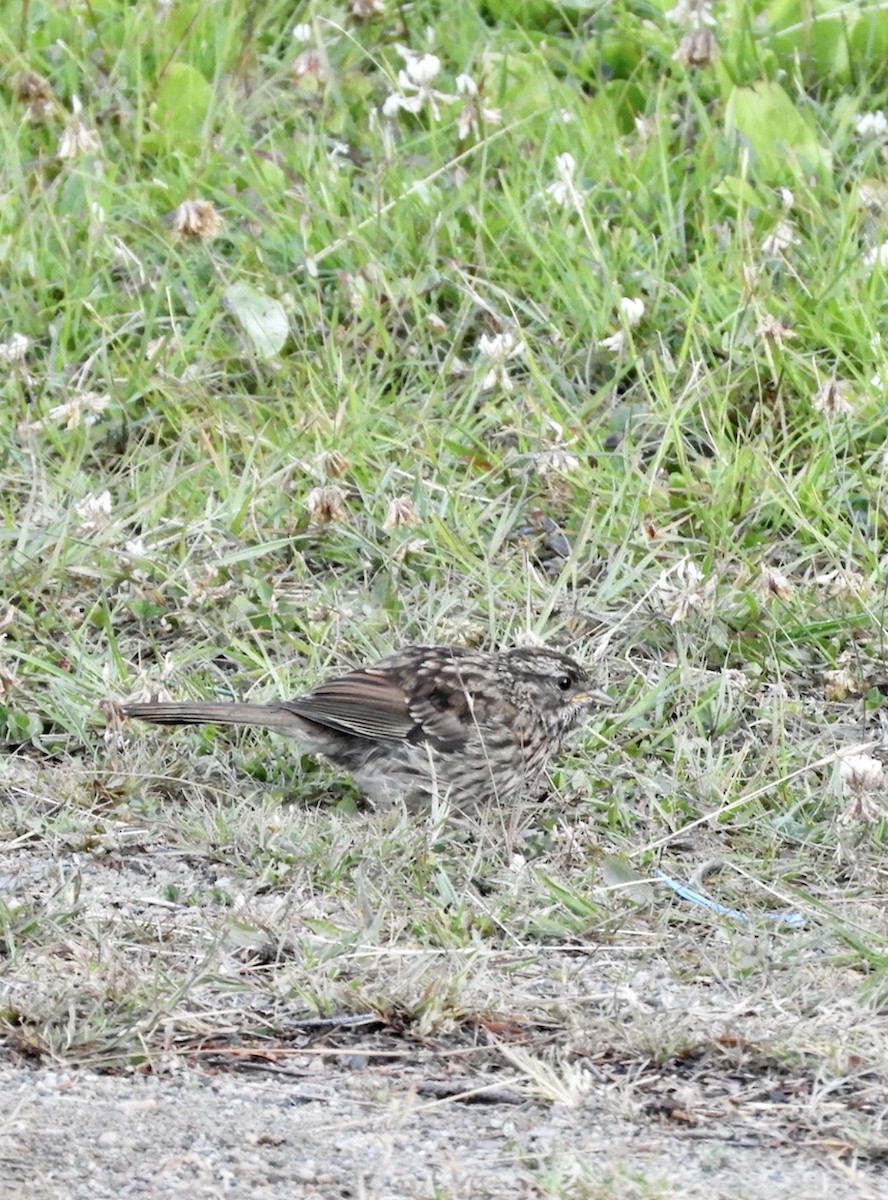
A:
[187,712]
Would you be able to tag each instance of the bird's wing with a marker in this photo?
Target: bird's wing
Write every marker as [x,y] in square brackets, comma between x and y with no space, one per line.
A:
[369,704]
[362,703]
[445,717]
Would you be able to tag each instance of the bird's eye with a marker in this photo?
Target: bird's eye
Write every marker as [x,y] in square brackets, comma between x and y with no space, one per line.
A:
[565,682]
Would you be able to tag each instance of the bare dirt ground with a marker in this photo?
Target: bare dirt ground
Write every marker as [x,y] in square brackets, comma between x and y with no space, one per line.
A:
[369,1132]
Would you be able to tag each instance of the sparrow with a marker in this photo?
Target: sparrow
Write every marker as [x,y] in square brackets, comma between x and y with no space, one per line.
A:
[468,726]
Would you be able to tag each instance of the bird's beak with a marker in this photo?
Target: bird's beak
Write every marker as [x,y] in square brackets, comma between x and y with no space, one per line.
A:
[593,696]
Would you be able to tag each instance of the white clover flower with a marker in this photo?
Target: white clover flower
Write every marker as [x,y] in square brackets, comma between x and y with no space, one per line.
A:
[198,219]
[564,191]
[872,125]
[36,94]
[631,310]
[401,511]
[311,64]
[12,353]
[683,589]
[645,128]
[338,154]
[393,104]
[833,399]
[83,409]
[616,343]
[774,583]
[94,511]
[698,48]
[76,139]
[692,14]
[555,460]
[781,237]
[326,504]
[861,776]
[332,464]
[841,683]
[773,330]
[420,69]
[415,80]
[475,113]
[498,349]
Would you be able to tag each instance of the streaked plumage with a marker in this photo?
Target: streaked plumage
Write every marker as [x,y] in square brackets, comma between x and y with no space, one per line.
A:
[467,725]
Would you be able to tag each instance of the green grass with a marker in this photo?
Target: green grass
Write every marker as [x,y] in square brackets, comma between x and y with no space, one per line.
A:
[574,503]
